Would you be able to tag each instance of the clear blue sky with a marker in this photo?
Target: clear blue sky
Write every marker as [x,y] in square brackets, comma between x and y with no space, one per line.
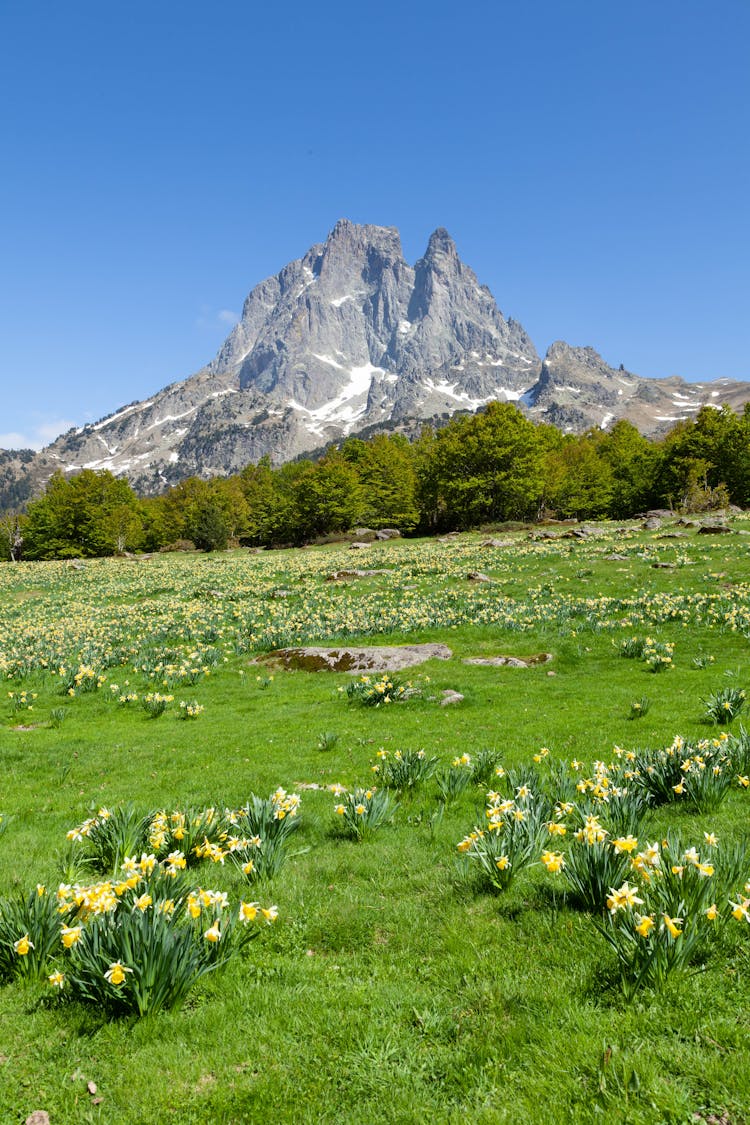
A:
[590,159]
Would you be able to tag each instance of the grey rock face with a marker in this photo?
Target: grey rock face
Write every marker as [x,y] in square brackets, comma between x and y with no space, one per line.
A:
[346,337]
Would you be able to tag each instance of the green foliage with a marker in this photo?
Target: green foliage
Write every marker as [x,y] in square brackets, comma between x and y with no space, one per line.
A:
[482,468]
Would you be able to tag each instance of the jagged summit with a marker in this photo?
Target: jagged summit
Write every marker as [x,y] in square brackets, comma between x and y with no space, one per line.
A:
[351,336]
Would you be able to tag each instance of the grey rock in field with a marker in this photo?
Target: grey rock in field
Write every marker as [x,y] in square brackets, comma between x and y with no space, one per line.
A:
[450,696]
[496,543]
[358,546]
[614,557]
[653,523]
[714,529]
[478,576]
[386,533]
[341,575]
[510,661]
[364,534]
[376,658]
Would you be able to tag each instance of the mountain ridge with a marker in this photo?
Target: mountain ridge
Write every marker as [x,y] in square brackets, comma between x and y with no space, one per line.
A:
[350,337]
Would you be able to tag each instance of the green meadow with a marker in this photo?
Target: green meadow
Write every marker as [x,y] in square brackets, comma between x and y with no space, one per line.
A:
[404,979]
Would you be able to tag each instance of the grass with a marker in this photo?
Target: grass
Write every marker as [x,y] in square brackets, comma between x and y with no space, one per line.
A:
[391,988]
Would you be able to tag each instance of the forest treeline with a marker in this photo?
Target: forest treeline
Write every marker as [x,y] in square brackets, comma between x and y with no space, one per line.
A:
[486,468]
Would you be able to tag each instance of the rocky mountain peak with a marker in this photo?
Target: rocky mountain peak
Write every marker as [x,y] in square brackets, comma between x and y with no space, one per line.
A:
[440,245]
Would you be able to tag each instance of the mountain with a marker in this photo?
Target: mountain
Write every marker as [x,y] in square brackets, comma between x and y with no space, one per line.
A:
[348,338]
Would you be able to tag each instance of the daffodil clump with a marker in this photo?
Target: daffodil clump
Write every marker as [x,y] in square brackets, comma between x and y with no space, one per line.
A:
[136,941]
[86,678]
[454,779]
[511,838]
[639,707]
[123,695]
[403,769]
[700,773]
[260,833]
[725,704]
[669,915]
[657,655]
[155,704]
[29,934]
[190,709]
[372,692]
[595,860]
[361,812]
[152,942]
[22,700]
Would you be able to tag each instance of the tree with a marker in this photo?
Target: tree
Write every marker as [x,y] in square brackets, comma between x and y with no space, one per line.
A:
[482,468]
[329,496]
[635,465]
[579,481]
[11,537]
[90,514]
[386,469]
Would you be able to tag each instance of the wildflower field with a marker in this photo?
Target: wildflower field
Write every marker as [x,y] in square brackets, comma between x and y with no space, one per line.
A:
[232,893]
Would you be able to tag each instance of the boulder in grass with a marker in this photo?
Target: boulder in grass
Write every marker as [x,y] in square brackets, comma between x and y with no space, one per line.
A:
[714,529]
[510,661]
[375,658]
[388,533]
[450,696]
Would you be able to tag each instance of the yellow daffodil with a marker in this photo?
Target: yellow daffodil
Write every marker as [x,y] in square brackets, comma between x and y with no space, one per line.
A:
[622,898]
[741,910]
[553,861]
[115,974]
[672,925]
[70,935]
